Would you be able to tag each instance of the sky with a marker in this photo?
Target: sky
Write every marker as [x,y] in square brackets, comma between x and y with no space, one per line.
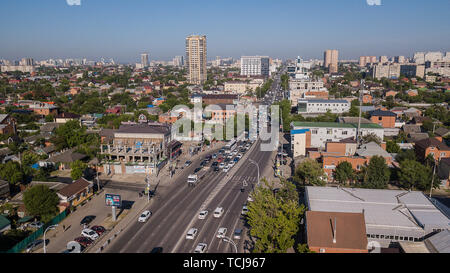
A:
[123,29]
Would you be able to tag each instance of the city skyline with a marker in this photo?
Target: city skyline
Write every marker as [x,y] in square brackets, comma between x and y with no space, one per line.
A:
[284,30]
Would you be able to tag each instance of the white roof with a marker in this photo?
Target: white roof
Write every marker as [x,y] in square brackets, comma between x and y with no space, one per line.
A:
[389,212]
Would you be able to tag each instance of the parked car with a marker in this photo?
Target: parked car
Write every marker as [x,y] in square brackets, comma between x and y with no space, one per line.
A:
[220,159]
[99,229]
[157,250]
[201,248]
[144,216]
[89,233]
[197,170]
[221,165]
[244,210]
[35,245]
[231,164]
[250,199]
[202,215]
[87,220]
[83,241]
[191,233]
[214,156]
[237,233]
[36,225]
[221,232]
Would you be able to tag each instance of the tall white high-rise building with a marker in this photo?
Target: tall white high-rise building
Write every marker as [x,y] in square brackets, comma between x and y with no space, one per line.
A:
[255,65]
[144,60]
[178,61]
[196,59]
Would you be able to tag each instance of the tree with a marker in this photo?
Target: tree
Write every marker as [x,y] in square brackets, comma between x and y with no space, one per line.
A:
[392,147]
[11,172]
[310,172]
[371,138]
[415,175]
[343,172]
[406,154]
[41,201]
[77,169]
[273,220]
[377,174]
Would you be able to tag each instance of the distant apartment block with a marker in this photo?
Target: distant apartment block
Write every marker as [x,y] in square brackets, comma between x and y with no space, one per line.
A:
[255,66]
[364,60]
[331,59]
[196,59]
[241,87]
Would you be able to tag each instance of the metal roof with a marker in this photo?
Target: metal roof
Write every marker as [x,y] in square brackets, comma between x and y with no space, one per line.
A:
[389,212]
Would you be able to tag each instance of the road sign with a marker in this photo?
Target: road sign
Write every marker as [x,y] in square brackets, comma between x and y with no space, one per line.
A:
[113,200]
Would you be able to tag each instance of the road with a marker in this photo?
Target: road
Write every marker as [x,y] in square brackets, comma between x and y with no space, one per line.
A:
[177,209]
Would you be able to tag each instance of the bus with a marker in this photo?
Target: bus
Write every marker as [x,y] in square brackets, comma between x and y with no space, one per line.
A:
[230,146]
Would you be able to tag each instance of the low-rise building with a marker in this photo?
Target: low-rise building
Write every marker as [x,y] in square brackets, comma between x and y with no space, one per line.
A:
[322,106]
[75,193]
[385,119]
[431,146]
[7,124]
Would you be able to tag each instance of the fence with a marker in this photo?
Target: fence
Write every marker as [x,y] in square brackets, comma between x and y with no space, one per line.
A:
[35,235]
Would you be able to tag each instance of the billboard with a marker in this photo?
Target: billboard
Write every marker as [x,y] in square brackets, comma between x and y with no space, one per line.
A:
[113,200]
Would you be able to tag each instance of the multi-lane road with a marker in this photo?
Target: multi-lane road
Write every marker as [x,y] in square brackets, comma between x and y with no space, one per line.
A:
[176,210]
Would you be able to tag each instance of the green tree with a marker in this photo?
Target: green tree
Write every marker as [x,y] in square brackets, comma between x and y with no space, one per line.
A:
[77,169]
[49,118]
[343,172]
[310,172]
[413,174]
[11,172]
[392,147]
[377,174]
[41,201]
[406,154]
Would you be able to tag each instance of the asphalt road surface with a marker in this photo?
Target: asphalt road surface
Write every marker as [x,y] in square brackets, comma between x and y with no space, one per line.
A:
[176,210]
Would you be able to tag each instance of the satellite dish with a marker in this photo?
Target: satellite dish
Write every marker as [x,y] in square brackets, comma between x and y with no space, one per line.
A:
[74,247]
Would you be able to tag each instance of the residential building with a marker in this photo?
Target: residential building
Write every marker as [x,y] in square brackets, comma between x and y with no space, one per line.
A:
[364,60]
[255,66]
[433,146]
[388,71]
[336,232]
[7,124]
[305,88]
[65,117]
[196,59]
[412,70]
[330,60]
[64,159]
[241,87]
[215,98]
[322,106]
[44,109]
[144,60]
[385,119]
[390,215]
[75,193]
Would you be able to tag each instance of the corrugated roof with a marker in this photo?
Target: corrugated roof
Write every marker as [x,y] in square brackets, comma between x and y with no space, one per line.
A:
[439,243]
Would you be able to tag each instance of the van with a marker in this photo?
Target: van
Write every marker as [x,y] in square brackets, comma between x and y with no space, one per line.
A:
[218,212]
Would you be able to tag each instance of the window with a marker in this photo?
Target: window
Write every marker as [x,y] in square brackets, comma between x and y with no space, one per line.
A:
[344,132]
[314,132]
[329,131]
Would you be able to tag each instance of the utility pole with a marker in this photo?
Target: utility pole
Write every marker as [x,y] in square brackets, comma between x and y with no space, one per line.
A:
[432,178]
[359,118]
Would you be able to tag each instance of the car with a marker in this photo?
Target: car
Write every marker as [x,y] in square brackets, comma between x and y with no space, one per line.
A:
[220,159]
[202,215]
[87,220]
[239,155]
[83,241]
[244,210]
[144,216]
[215,163]
[203,163]
[197,170]
[221,165]
[237,233]
[226,160]
[187,163]
[221,151]
[221,232]
[191,234]
[200,248]
[89,233]
[218,212]
[99,229]
[36,225]
[35,245]
[214,156]
[236,159]
[226,168]
[157,250]
[216,169]
[231,164]
[247,146]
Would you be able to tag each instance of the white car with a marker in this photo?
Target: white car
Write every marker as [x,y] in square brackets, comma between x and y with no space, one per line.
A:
[221,165]
[218,212]
[226,168]
[201,248]
[191,234]
[244,210]
[231,164]
[203,214]
[89,233]
[144,216]
[221,232]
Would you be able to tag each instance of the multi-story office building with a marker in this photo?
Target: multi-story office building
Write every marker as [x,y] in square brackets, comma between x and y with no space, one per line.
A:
[298,88]
[322,106]
[255,66]
[196,59]
[144,60]
[330,60]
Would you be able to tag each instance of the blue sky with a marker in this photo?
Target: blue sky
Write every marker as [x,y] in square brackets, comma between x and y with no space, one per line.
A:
[122,29]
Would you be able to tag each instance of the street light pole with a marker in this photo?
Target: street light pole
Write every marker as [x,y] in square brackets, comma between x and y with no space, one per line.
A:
[50,227]
[228,240]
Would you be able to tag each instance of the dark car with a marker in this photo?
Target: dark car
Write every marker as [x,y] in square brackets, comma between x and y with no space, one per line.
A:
[236,159]
[98,229]
[36,245]
[226,160]
[197,170]
[87,219]
[157,250]
[203,163]
[83,241]
[216,169]
[215,163]
[221,151]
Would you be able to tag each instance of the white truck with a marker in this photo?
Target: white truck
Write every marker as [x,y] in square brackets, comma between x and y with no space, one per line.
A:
[193,179]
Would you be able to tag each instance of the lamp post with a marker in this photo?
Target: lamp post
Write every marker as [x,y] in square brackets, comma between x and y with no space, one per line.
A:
[228,240]
[50,227]
[255,163]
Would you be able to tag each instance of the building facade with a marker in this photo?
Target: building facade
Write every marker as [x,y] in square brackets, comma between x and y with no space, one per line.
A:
[322,106]
[255,66]
[330,60]
[196,59]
